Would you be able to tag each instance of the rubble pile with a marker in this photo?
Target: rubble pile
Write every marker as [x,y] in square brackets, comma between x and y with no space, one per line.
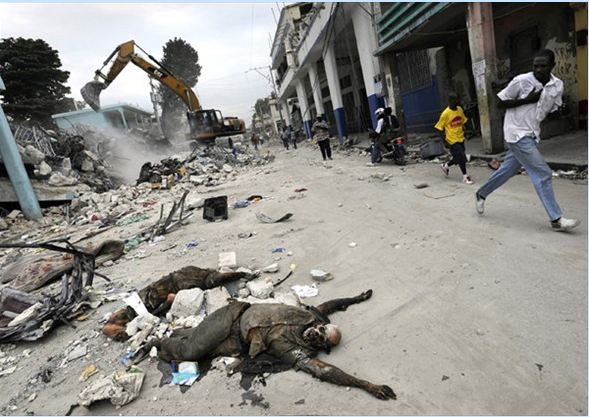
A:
[64,159]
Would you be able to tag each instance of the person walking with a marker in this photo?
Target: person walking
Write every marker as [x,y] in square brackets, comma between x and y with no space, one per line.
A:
[255,140]
[450,126]
[528,99]
[320,131]
[285,136]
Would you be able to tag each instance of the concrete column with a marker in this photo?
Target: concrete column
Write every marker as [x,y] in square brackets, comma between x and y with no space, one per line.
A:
[397,99]
[481,39]
[316,86]
[366,43]
[304,106]
[335,92]
[286,113]
[16,169]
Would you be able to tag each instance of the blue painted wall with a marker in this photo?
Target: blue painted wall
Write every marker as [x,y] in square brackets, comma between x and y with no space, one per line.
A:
[422,107]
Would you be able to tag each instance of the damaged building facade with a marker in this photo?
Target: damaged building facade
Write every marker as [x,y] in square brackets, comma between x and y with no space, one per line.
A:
[323,63]
[344,60]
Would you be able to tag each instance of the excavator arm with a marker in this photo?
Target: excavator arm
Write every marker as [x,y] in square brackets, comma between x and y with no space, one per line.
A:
[125,53]
[205,125]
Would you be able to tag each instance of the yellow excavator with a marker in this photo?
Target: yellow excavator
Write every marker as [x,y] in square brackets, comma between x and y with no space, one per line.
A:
[205,125]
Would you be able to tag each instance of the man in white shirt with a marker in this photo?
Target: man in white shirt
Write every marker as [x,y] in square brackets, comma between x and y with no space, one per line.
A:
[528,99]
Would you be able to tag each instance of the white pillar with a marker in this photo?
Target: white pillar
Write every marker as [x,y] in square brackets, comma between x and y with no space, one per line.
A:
[366,42]
[304,106]
[316,86]
[335,92]
[286,112]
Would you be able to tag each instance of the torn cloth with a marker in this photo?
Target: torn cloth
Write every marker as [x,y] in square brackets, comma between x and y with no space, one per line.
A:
[34,271]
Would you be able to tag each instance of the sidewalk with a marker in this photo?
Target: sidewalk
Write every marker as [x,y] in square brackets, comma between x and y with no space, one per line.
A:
[561,152]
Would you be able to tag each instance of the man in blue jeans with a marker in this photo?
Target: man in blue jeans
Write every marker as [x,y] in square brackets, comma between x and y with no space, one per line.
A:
[528,99]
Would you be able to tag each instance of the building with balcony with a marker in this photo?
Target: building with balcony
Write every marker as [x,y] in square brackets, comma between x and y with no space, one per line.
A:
[323,63]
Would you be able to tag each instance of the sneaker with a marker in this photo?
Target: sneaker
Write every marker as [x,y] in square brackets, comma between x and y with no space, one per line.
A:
[467,180]
[480,203]
[371,164]
[445,169]
[564,225]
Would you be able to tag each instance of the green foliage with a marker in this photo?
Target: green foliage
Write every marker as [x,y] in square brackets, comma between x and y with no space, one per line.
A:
[262,106]
[31,71]
[182,60]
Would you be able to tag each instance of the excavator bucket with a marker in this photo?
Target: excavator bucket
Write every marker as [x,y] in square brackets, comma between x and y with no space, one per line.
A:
[91,94]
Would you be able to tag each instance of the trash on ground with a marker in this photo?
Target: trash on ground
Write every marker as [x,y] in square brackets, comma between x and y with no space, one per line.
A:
[300,190]
[254,198]
[241,204]
[305,291]
[88,372]
[352,244]
[271,268]
[187,374]
[45,310]
[321,276]
[267,219]
[421,185]
[120,388]
[215,208]
[279,250]
[191,244]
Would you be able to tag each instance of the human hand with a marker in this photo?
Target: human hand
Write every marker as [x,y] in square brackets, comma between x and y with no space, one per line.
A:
[382,392]
[534,96]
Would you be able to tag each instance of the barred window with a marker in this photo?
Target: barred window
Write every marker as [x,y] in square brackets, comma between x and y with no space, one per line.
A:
[414,70]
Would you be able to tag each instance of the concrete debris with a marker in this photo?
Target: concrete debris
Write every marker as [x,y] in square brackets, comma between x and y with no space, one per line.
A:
[3,224]
[216,298]
[187,302]
[8,371]
[271,268]
[260,288]
[227,260]
[321,276]
[77,352]
[44,169]
[34,155]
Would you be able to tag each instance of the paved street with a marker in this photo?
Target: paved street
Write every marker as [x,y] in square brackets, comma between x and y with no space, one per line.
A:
[470,314]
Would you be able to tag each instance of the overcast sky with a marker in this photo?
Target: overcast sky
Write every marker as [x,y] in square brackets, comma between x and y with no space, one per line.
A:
[230,39]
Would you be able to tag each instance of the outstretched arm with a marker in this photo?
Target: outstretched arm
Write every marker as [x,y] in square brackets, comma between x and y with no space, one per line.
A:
[329,373]
[341,304]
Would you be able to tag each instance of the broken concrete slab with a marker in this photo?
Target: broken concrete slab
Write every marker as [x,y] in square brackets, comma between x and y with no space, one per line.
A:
[227,260]
[187,302]
[260,288]
[216,298]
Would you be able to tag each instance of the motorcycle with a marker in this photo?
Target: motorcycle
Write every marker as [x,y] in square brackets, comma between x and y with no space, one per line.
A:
[395,148]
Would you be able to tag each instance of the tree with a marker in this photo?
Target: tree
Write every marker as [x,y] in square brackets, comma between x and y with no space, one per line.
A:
[262,106]
[31,71]
[182,60]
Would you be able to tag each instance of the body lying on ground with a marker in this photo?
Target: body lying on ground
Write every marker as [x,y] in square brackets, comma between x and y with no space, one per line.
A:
[294,335]
[159,296]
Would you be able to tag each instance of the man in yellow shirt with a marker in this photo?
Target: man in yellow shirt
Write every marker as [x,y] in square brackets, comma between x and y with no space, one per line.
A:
[450,125]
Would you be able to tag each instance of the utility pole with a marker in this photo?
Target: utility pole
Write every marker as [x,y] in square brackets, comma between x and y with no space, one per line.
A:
[154,101]
[271,80]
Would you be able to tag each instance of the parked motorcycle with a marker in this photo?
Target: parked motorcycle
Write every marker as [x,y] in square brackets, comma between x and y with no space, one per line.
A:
[395,148]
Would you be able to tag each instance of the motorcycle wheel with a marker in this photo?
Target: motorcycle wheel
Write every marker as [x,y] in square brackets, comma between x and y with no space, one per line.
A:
[400,160]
